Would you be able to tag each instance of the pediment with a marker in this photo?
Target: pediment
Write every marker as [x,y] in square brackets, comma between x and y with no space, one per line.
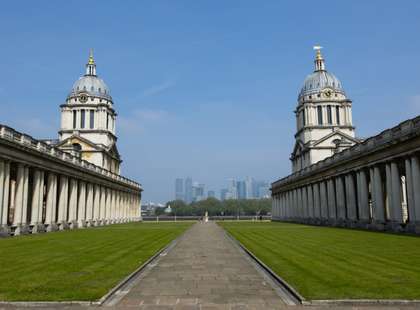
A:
[85,144]
[298,148]
[335,138]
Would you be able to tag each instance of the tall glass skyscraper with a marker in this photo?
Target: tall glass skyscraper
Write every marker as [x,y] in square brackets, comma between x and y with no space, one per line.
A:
[179,189]
[188,190]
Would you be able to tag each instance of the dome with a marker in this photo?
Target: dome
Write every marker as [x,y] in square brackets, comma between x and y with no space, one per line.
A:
[319,80]
[92,85]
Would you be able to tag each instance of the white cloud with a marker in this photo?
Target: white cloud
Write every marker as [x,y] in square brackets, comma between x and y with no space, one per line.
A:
[137,120]
[158,89]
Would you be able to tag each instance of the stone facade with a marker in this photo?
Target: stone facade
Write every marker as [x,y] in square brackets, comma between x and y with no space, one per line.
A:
[323,118]
[43,188]
[88,121]
[374,184]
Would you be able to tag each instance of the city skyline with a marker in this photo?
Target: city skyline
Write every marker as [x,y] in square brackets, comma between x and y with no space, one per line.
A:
[188,190]
[212,101]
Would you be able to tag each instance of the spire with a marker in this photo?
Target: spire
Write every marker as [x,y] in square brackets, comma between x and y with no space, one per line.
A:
[91,66]
[319,60]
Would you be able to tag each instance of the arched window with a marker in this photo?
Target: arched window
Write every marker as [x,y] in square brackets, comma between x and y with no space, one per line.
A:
[319,112]
[337,115]
[74,119]
[77,147]
[329,115]
[82,118]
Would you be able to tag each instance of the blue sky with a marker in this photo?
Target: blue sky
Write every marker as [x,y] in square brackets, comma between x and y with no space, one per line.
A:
[207,88]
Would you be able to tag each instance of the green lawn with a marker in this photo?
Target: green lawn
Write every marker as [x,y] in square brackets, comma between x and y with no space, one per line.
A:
[334,263]
[83,264]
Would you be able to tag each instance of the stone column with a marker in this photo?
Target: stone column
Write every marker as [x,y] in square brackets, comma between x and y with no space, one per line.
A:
[4,197]
[51,202]
[324,201]
[81,211]
[310,202]
[25,219]
[299,203]
[102,206]
[332,212]
[108,205]
[37,201]
[410,193]
[362,197]
[114,206]
[73,203]
[396,210]
[415,174]
[340,199]
[351,198]
[89,205]
[378,203]
[317,201]
[117,206]
[63,202]
[19,219]
[97,205]
[305,203]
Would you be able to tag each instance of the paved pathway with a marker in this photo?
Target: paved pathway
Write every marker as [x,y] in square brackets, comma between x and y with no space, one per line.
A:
[205,270]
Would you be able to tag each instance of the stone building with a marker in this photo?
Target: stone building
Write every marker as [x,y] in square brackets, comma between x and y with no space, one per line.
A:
[370,184]
[88,121]
[73,182]
[323,118]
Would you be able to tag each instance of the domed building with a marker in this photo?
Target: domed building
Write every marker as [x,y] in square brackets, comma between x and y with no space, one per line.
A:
[323,118]
[88,121]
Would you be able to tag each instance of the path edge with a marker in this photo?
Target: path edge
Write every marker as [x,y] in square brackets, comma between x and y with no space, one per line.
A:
[289,289]
[123,282]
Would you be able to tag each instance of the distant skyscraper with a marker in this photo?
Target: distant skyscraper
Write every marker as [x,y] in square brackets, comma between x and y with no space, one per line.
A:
[249,188]
[241,189]
[188,190]
[211,194]
[179,189]
[198,192]
[232,190]
[262,189]
[223,193]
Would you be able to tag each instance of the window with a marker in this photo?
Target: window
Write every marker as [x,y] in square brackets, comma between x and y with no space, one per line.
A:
[74,119]
[107,120]
[329,115]
[337,115]
[92,119]
[82,118]
[303,117]
[319,110]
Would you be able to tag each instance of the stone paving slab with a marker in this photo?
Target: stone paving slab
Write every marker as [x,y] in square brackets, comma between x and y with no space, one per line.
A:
[203,271]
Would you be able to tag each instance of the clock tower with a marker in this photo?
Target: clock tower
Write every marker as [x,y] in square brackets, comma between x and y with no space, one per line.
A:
[323,118]
[88,121]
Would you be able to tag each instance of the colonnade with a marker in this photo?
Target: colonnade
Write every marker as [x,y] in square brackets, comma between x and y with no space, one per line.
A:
[34,199]
[384,195]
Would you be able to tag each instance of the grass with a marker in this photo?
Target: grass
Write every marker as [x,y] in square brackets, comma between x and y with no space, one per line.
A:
[83,264]
[334,263]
